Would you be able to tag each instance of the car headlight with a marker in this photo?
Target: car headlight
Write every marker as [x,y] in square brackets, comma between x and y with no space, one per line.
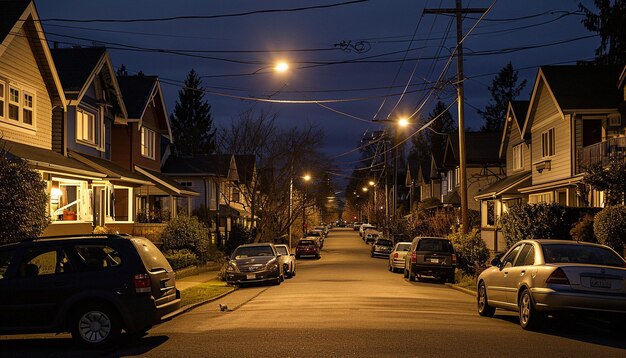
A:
[272,264]
[232,268]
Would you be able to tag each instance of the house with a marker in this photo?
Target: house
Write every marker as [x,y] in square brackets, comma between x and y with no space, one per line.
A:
[136,147]
[574,121]
[31,93]
[483,167]
[411,183]
[515,149]
[244,195]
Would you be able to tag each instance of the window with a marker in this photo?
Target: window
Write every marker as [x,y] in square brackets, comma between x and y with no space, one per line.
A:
[47,261]
[518,157]
[541,198]
[96,257]
[491,213]
[70,200]
[14,104]
[2,100]
[27,109]
[236,195]
[510,258]
[547,143]
[5,260]
[85,126]
[521,259]
[148,143]
[185,184]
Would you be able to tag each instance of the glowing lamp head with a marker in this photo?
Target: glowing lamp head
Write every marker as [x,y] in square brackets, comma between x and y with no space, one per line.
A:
[281,67]
[307,177]
[403,122]
[372,183]
[365,189]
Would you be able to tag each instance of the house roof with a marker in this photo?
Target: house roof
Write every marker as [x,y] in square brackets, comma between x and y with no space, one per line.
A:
[47,159]
[218,165]
[109,168]
[516,110]
[75,65]
[21,15]
[424,172]
[452,198]
[583,86]
[508,185]
[480,148]
[165,183]
[246,166]
[137,91]
[519,110]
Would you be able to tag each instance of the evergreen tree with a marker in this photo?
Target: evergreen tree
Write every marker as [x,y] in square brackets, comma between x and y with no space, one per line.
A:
[610,24]
[192,123]
[504,88]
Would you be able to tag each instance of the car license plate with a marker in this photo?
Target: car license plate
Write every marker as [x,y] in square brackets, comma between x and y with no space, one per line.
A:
[599,282]
[434,261]
[251,276]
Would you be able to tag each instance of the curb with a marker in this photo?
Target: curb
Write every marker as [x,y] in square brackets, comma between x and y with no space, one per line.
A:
[461,289]
[192,306]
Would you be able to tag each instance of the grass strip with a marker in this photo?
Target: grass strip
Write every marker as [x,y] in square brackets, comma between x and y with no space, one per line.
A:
[203,291]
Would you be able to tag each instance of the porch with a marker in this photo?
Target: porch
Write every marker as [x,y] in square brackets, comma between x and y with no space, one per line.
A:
[600,152]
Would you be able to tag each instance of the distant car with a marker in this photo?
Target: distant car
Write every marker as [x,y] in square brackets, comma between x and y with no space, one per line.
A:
[321,229]
[318,235]
[356,226]
[288,259]
[308,247]
[254,263]
[430,256]
[381,247]
[365,227]
[371,236]
[397,255]
[538,277]
[93,286]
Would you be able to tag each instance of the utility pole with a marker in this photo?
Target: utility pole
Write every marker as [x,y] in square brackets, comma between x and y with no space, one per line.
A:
[290,205]
[459,11]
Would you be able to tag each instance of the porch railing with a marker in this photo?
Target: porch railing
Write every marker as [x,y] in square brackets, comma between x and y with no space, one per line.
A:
[600,153]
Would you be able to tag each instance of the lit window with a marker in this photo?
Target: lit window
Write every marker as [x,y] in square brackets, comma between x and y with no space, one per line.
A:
[547,143]
[14,104]
[2,100]
[85,126]
[518,157]
[148,143]
[27,109]
[17,106]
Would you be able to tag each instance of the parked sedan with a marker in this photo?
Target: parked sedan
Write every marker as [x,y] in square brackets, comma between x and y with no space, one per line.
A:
[308,247]
[538,277]
[382,247]
[288,259]
[396,258]
[317,235]
[254,263]
[370,236]
[430,256]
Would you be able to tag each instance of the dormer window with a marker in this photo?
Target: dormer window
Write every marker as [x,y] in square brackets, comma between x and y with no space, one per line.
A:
[85,127]
[547,143]
[17,105]
[518,157]
[148,143]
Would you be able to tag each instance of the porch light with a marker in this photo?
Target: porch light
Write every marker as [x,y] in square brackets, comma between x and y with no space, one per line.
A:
[56,193]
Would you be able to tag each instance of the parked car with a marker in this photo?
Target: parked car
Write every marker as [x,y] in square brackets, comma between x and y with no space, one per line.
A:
[538,277]
[317,235]
[364,227]
[251,263]
[308,247]
[288,259]
[397,255]
[93,286]
[321,230]
[430,256]
[371,236]
[381,247]
[356,226]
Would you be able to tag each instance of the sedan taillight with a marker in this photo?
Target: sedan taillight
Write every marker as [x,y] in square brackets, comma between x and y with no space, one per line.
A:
[395,256]
[454,259]
[143,283]
[558,277]
[414,257]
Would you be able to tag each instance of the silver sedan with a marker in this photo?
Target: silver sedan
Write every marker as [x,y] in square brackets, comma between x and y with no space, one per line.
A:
[538,277]
[396,258]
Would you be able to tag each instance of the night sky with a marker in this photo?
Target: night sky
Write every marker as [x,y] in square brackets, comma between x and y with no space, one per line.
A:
[547,28]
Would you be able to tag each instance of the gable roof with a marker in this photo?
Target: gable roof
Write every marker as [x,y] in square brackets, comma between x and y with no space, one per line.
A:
[577,87]
[483,148]
[515,116]
[246,167]
[77,68]
[138,91]
[201,165]
[22,14]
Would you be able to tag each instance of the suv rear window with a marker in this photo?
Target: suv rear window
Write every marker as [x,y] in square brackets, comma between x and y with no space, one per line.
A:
[97,257]
[5,261]
[384,243]
[439,245]
[580,254]
[151,256]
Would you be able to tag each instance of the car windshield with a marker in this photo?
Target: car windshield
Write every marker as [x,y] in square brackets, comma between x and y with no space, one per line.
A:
[251,251]
[580,254]
[384,243]
[434,245]
[281,250]
[313,233]
[306,242]
[403,247]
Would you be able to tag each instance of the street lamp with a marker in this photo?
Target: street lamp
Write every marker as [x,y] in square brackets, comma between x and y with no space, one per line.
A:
[281,67]
[306,178]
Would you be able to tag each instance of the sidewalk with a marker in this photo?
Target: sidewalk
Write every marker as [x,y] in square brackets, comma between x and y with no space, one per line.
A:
[194,280]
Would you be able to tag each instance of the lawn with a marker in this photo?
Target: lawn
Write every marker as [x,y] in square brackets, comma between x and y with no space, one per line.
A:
[203,292]
[466,281]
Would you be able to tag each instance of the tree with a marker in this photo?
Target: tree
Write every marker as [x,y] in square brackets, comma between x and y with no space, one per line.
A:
[608,177]
[610,24]
[534,221]
[23,200]
[504,88]
[192,123]
[609,227]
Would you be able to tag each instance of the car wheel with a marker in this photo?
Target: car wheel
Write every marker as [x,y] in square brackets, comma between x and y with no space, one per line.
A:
[484,309]
[411,276]
[317,256]
[95,326]
[529,318]
[371,254]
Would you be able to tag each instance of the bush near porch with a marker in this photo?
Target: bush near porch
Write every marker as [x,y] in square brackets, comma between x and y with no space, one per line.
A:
[610,227]
[186,233]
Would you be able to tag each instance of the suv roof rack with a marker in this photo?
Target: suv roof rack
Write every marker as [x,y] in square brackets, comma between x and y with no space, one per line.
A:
[79,236]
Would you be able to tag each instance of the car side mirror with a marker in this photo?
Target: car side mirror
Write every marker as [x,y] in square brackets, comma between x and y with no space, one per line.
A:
[496,262]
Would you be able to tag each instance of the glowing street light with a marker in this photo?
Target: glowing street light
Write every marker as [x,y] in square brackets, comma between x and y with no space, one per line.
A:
[403,122]
[281,67]
[365,189]
[372,183]
[306,177]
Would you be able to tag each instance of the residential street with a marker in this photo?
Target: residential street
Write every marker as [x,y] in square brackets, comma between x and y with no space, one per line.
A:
[345,304]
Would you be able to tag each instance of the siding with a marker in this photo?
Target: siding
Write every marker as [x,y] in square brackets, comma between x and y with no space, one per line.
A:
[18,64]
[545,115]
[140,159]
[121,146]
[514,139]
[58,137]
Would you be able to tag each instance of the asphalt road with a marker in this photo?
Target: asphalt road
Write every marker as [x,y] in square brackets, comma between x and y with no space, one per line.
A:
[345,304]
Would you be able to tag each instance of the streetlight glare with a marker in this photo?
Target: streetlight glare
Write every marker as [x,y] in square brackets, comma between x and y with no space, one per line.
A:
[403,122]
[365,188]
[281,67]
[307,177]
[372,183]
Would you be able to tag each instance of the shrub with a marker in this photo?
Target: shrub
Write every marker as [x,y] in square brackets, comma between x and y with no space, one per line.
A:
[204,215]
[185,232]
[610,227]
[471,251]
[534,221]
[583,230]
[23,200]
[179,259]
[239,235]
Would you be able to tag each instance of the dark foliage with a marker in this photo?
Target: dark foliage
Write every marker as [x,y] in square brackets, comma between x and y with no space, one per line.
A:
[504,88]
[610,24]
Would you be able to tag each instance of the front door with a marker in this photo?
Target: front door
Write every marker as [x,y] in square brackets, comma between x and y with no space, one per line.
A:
[517,273]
